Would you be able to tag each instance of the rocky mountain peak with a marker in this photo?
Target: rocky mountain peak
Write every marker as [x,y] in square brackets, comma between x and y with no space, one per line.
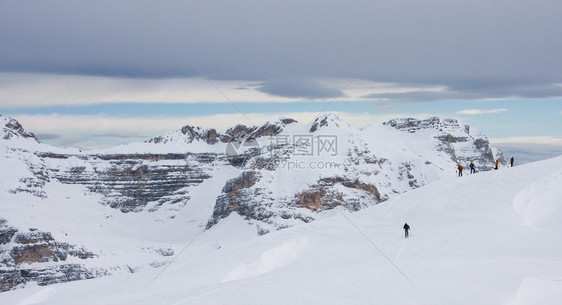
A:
[187,134]
[272,128]
[237,133]
[11,129]
[412,125]
[462,145]
[287,121]
[328,120]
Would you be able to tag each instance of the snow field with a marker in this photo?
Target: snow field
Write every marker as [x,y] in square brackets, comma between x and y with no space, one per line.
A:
[481,239]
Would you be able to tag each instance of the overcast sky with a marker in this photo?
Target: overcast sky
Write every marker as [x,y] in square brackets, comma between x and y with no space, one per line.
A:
[88,53]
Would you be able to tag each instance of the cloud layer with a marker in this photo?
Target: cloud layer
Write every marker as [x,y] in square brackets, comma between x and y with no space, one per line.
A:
[96,60]
[474,49]
[481,111]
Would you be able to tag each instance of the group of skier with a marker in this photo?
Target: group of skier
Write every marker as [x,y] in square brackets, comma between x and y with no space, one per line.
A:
[473,169]
[406,227]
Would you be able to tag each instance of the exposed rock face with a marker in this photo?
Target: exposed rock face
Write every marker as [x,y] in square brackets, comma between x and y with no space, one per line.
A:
[245,180]
[131,182]
[287,121]
[241,196]
[405,173]
[211,137]
[355,184]
[6,233]
[34,183]
[37,247]
[322,196]
[26,252]
[457,141]
[237,133]
[412,125]
[272,129]
[10,279]
[34,247]
[359,183]
[11,128]
[328,119]
[187,134]
[313,199]
[234,198]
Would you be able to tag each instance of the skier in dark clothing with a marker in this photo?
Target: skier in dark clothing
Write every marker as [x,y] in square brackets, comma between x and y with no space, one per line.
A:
[406,229]
[512,161]
[460,170]
[472,169]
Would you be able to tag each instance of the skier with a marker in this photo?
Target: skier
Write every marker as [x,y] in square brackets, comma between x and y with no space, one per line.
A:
[460,170]
[512,161]
[472,169]
[497,162]
[406,229]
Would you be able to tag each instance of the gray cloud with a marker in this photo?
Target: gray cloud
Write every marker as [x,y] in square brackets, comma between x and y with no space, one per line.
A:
[474,48]
[476,91]
[298,89]
[47,136]
[70,141]
[528,90]
[419,96]
[62,140]
[524,152]
[120,135]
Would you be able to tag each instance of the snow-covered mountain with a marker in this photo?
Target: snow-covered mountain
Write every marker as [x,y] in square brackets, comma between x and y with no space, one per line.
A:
[488,238]
[68,214]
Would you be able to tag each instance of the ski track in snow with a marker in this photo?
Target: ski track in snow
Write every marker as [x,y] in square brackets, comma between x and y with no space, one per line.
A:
[399,255]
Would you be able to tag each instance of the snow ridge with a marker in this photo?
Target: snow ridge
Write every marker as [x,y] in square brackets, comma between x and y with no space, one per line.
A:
[258,179]
[11,130]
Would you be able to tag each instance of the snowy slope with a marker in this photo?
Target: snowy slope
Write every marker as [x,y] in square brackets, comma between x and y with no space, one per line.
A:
[365,167]
[68,214]
[483,239]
